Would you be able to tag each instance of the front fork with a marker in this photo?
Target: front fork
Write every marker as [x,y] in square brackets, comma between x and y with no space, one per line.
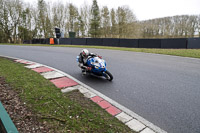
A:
[104,73]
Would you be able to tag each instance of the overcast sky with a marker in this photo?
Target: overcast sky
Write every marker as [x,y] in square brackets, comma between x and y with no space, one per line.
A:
[146,9]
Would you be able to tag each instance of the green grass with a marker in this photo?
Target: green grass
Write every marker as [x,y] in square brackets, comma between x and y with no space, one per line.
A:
[194,53]
[62,112]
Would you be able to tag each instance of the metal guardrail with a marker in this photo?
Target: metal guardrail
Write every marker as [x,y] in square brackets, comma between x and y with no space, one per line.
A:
[6,124]
[170,43]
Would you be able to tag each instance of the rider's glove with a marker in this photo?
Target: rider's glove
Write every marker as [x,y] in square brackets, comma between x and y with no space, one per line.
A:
[89,68]
[100,57]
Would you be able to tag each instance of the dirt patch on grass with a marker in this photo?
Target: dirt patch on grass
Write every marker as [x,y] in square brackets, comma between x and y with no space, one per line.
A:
[22,117]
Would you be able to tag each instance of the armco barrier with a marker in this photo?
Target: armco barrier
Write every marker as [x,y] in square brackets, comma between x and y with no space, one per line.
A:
[131,43]
[193,43]
[47,40]
[174,43]
[65,41]
[78,41]
[27,42]
[39,41]
[149,43]
[95,41]
[35,41]
[6,124]
[111,42]
[43,41]
[56,41]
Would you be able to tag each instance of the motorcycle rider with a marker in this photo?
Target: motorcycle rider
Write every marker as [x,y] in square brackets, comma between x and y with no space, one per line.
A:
[83,57]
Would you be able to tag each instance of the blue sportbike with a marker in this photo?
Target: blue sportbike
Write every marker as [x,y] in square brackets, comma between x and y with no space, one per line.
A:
[98,67]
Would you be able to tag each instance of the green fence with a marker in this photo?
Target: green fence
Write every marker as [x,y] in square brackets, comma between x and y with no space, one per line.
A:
[6,124]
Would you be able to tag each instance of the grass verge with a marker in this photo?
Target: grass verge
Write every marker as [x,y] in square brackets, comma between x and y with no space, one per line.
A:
[194,53]
[70,112]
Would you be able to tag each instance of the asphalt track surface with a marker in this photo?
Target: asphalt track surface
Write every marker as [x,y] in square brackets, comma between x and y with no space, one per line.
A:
[163,89]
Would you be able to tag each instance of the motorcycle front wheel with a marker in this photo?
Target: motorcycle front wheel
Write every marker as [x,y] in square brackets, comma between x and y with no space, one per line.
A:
[108,76]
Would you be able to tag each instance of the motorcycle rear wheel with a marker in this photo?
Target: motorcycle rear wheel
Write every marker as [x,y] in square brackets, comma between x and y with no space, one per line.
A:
[108,76]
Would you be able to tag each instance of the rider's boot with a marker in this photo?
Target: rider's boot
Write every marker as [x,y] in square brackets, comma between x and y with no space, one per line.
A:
[83,72]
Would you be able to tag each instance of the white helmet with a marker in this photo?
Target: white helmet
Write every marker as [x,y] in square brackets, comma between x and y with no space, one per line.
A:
[85,52]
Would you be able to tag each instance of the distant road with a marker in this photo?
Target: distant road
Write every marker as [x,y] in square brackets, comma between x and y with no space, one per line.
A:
[163,89]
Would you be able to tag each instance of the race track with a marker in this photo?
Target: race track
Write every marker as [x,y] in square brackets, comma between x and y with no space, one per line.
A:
[163,89]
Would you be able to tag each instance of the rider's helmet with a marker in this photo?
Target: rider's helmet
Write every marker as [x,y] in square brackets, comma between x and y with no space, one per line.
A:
[85,53]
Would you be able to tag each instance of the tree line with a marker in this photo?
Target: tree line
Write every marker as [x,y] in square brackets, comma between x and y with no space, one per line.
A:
[21,21]
[171,27]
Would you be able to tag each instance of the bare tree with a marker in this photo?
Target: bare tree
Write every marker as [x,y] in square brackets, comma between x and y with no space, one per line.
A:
[5,24]
[14,8]
[72,16]
[21,21]
[198,27]
[113,23]
[105,18]
[125,20]
[85,15]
